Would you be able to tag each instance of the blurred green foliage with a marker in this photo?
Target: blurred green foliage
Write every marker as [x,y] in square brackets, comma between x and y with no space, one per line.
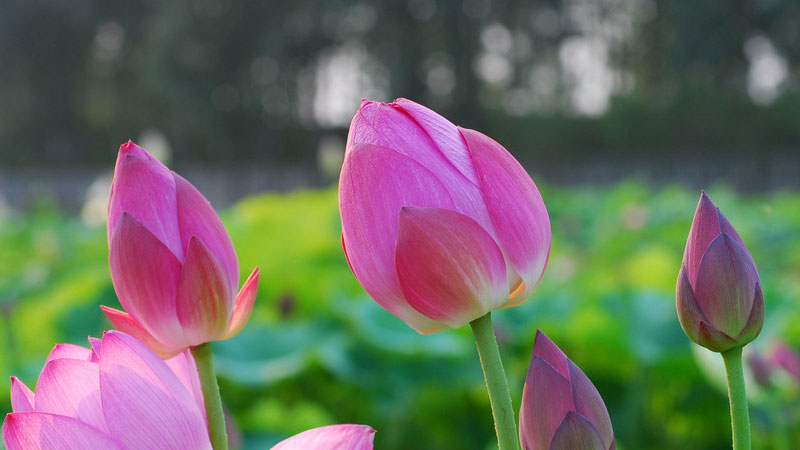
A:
[317,350]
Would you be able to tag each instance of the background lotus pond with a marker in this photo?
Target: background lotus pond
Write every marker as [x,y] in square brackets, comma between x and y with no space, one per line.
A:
[317,350]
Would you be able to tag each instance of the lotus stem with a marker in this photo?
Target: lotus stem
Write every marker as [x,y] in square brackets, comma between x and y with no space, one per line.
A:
[496,383]
[213,402]
[740,417]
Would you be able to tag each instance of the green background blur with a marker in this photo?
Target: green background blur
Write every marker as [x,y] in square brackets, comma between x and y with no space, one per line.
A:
[622,110]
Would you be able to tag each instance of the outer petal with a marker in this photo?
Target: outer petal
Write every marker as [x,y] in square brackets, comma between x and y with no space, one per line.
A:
[705,228]
[71,387]
[756,320]
[331,437]
[184,367]
[204,300]
[145,404]
[546,399]
[450,269]
[515,206]
[689,313]
[42,431]
[714,339]
[545,349]
[244,305]
[725,285]
[429,139]
[127,324]
[22,399]
[69,351]
[576,433]
[145,275]
[197,218]
[144,188]
[375,183]
[590,405]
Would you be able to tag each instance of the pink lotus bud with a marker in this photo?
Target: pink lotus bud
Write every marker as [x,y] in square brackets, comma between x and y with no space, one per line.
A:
[117,395]
[172,262]
[332,437]
[786,358]
[440,224]
[561,409]
[719,299]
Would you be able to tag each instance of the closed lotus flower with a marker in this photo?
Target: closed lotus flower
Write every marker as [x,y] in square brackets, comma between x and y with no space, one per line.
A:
[440,224]
[561,409]
[332,437]
[118,395]
[172,262]
[719,299]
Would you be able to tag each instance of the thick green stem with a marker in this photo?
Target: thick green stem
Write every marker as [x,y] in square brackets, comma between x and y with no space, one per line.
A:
[740,417]
[496,383]
[211,397]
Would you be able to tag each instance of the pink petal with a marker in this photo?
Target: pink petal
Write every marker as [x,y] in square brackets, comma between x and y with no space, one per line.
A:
[71,387]
[725,285]
[713,339]
[590,405]
[515,206]
[144,188]
[544,348]
[546,399]
[95,342]
[145,404]
[22,398]
[429,139]
[184,367]
[375,183]
[42,431]
[755,322]
[689,313]
[705,228]
[450,269]
[69,351]
[203,302]
[145,275]
[197,218]
[443,134]
[127,324]
[331,437]
[575,432]
[244,305]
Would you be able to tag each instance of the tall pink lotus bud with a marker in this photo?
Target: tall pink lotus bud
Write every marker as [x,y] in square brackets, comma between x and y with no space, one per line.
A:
[440,224]
[331,437]
[561,409]
[719,299]
[117,395]
[172,262]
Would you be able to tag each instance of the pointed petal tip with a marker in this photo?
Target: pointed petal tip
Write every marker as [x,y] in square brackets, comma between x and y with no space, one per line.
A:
[243,306]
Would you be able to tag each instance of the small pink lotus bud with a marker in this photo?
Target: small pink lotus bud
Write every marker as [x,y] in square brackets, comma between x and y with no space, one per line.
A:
[117,395]
[440,224]
[561,409]
[719,299]
[331,437]
[787,359]
[172,262]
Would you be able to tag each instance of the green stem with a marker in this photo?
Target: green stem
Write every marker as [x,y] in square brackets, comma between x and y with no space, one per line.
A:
[211,397]
[496,383]
[740,417]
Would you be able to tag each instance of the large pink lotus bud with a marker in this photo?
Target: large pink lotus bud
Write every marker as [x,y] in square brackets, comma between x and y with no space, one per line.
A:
[172,262]
[118,395]
[440,224]
[331,437]
[719,299]
[561,409]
